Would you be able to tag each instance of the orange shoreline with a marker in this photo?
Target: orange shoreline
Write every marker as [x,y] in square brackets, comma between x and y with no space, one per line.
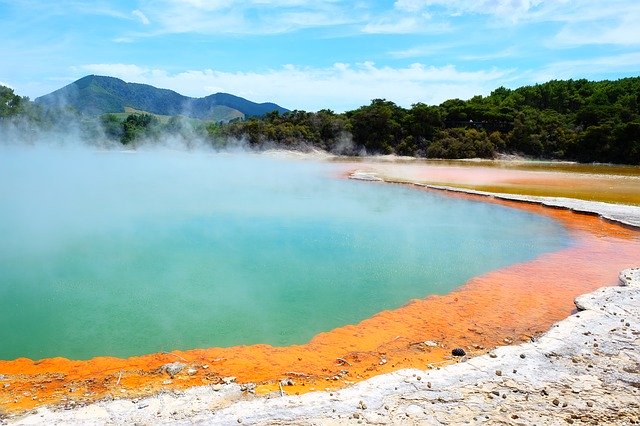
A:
[507,305]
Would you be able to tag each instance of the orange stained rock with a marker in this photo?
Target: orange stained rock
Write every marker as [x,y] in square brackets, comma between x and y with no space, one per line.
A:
[511,304]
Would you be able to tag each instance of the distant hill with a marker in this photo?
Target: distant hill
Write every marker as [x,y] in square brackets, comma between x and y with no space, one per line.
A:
[95,95]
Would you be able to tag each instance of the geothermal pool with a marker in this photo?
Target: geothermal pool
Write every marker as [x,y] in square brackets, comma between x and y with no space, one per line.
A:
[116,253]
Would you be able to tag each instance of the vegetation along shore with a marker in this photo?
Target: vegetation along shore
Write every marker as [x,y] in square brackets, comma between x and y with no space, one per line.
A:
[577,120]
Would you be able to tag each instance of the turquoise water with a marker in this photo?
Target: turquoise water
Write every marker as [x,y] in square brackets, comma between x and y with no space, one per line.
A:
[107,253]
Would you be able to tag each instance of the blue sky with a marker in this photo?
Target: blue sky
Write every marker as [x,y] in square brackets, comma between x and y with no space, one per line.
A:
[314,54]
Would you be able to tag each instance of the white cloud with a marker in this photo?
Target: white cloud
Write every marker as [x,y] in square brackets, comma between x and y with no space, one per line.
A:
[509,52]
[425,50]
[72,7]
[405,25]
[141,16]
[123,40]
[576,23]
[623,29]
[243,17]
[128,71]
[401,26]
[611,12]
[203,4]
[410,5]
[571,11]
[589,68]
[339,87]
[512,10]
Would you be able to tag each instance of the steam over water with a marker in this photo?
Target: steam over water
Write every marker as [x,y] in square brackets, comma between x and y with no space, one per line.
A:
[109,253]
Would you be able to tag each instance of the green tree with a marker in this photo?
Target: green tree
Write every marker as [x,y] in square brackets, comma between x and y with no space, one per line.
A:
[10,103]
[377,127]
[138,126]
[112,126]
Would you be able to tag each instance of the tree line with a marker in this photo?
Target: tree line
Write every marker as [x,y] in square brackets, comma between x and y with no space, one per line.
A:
[566,120]
[576,120]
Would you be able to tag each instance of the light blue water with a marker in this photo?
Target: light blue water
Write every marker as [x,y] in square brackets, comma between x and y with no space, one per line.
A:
[122,254]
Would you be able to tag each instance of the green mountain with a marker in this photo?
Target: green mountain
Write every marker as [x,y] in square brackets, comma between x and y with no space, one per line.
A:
[95,95]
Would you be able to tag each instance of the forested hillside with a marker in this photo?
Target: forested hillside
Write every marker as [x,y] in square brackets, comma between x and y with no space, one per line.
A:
[569,120]
[96,95]
[566,120]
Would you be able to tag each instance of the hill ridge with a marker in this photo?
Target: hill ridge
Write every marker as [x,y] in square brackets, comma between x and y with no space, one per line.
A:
[96,95]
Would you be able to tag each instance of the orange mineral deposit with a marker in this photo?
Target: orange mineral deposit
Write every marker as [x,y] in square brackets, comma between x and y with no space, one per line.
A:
[505,306]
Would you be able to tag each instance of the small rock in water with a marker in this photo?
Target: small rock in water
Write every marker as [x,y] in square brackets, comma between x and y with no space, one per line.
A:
[360,175]
[430,343]
[458,352]
[228,380]
[173,368]
[192,371]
